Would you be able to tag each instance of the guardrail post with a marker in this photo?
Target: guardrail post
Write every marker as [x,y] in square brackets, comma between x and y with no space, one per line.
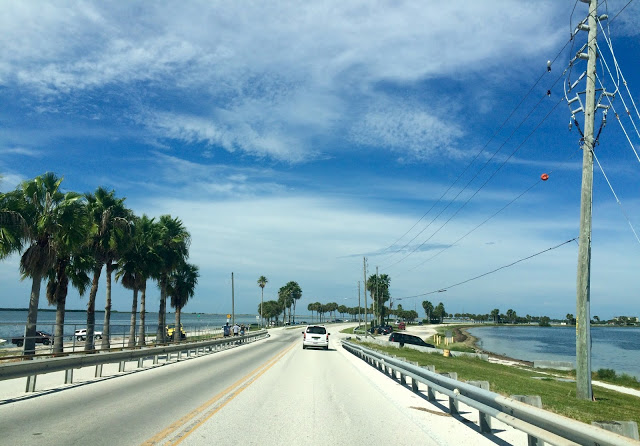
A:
[98,371]
[121,366]
[155,359]
[140,363]
[68,376]
[484,420]
[414,382]
[31,384]
[626,428]
[535,401]
[453,402]
[431,394]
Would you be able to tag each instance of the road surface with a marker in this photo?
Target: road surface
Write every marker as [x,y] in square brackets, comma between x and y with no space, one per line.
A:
[268,392]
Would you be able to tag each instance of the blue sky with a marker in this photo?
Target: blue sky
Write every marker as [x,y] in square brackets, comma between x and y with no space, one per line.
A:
[294,138]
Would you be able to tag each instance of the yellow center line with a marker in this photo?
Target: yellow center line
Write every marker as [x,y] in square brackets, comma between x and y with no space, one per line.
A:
[248,379]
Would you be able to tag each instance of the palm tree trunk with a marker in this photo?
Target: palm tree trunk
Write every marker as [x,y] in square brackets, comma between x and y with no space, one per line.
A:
[294,310]
[177,332]
[91,309]
[32,317]
[162,311]
[58,336]
[132,328]
[143,299]
[262,306]
[107,310]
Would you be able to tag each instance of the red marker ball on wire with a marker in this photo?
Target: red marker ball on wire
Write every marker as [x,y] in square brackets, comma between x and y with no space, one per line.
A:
[544,177]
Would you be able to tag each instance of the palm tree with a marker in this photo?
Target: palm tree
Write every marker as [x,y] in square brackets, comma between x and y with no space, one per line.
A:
[428,309]
[33,221]
[73,262]
[295,293]
[378,286]
[262,282]
[173,249]
[181,285]
[311,307]
[69,266]
[135,267]
[110,221]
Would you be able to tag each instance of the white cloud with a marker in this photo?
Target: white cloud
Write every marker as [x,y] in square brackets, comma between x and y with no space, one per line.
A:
[24,151]
[416,134]
[268,79]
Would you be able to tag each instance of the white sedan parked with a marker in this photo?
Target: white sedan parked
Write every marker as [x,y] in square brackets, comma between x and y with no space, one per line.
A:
[81,334]
[315,336]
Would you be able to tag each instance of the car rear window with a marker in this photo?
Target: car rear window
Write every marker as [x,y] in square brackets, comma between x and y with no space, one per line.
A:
[317,330]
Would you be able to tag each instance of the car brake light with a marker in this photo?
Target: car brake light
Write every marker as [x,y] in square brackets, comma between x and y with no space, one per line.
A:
[327,337]
[304,336]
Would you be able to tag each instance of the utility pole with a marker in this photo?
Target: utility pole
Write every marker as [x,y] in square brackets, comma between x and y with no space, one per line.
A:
[378,309]
[359,312]
[366,310]
[233,308]
[583,300]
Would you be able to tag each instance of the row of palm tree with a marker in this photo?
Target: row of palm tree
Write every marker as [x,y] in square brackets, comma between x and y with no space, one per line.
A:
[67,236]
[288,295]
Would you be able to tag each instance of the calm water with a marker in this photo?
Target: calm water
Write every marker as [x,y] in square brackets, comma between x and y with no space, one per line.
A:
[12,322]
[615,348]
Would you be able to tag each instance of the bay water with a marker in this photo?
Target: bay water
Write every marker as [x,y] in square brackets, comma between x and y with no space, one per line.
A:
[12,322]
[612,347]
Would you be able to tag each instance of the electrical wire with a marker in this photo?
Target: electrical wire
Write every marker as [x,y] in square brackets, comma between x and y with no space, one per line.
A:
[615,196]
[621,125]
[491,176]
[477,155]
[489,218]
[623,8]
[620,74]
[485,182]
[443,289]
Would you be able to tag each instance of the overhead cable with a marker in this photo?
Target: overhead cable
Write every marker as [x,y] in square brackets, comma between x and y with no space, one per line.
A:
[443,289]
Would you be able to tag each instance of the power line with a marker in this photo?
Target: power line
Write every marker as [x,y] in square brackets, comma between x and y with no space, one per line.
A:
[615,196]
[478,154]
[443,289]
[488,218]
[485,182]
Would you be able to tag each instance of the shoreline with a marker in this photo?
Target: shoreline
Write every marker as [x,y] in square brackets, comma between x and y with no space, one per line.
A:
[472,342]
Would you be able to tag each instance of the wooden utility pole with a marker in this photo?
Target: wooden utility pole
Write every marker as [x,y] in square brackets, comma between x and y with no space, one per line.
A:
[359,312]
[378,309]
[583,313]
[366,310]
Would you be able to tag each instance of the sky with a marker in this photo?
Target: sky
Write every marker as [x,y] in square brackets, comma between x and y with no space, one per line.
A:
[294,139]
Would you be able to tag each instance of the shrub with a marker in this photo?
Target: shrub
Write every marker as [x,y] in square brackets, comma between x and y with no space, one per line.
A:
[606,374]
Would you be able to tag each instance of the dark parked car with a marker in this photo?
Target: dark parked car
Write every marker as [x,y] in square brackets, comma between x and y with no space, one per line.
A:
[41,338]
[404,338]
[381,329]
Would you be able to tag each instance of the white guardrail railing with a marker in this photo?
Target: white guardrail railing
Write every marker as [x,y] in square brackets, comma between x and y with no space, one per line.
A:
[539,424]
[34,367]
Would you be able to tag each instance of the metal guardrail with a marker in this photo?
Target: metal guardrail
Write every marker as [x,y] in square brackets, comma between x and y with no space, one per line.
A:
[31,368]
[538,423]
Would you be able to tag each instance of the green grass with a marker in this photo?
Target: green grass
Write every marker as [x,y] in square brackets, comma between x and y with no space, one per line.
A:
[610,376]
[557,396]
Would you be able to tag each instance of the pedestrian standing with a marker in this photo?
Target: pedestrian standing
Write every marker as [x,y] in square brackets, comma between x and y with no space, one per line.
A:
[236,329]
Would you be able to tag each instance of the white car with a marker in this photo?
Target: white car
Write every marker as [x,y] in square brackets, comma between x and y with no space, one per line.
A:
[81,334]
[315,336]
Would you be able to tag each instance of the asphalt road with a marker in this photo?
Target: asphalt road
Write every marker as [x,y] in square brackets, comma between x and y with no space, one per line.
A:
[268,392]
